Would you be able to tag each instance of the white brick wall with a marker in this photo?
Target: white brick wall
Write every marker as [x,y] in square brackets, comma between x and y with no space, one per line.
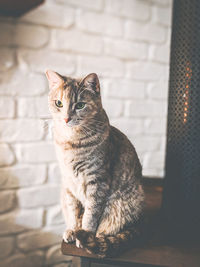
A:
[127,43]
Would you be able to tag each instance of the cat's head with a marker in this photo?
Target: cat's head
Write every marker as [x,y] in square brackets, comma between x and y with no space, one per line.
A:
[73,102]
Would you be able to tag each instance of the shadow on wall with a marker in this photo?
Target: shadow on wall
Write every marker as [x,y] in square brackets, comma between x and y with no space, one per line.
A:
[31,223]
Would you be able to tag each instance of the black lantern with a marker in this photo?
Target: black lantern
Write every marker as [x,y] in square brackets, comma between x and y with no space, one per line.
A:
[181,200]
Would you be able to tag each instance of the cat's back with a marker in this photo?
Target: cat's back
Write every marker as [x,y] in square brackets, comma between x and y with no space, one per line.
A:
[121,142]
[125,161]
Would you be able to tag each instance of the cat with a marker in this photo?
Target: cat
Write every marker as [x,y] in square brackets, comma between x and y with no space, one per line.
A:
[102,198]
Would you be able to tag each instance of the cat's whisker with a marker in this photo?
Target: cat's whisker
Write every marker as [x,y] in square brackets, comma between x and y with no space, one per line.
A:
[85,132]
[92,134]
[89,129]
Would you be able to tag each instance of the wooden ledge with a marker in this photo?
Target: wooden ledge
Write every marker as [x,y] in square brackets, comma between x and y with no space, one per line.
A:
[155,252]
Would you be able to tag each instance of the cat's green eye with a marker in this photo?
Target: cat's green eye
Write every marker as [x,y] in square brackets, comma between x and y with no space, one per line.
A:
[59,104]
[80,105]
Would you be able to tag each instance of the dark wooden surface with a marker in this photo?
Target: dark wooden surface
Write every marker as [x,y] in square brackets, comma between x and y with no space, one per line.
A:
[156,251]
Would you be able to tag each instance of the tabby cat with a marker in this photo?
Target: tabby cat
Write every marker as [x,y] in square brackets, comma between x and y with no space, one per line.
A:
[102,197]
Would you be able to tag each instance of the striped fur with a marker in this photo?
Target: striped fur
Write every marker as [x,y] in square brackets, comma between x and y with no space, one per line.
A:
[102,197]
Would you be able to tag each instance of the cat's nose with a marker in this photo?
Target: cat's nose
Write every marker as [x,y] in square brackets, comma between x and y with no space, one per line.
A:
[67,120]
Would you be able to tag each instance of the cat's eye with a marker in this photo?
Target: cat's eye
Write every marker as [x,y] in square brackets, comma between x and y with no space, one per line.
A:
[80,105]
[59,104]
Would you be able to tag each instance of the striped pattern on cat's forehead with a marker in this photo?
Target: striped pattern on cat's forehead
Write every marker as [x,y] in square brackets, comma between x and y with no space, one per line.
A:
[72,88]
[71,83]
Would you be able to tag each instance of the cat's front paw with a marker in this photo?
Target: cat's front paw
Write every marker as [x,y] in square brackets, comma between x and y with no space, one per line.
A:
[78,244]
[69,236]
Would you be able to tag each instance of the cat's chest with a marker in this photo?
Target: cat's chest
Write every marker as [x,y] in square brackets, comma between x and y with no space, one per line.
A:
[71,179]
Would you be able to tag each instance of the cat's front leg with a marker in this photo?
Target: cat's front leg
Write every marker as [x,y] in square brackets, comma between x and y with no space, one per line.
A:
[71,208]
[96,195]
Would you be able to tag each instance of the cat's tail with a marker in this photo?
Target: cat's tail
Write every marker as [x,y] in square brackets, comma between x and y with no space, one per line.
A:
[106,246]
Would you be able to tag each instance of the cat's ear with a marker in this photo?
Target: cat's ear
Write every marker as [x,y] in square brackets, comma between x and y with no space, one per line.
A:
[55,80]
[91,81]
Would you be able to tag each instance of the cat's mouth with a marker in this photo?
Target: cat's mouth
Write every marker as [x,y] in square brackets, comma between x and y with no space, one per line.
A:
[71,123]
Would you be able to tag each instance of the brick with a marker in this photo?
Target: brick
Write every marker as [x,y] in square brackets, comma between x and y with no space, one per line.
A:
[38,239]
[133,9]
[76,41]
[158,90]
[162,2]
[125,49]
[20,130]
[7,59]
[130,127]
[54,255]
[22,176]
[54,215]
[161,173]
[20,220]
[38,196]
[30,219]
[162,15]
[6,33]
[147,71]
[22,83]
[56,229]
[153,160]
[41,60]
[161,53]
[54,175]
[155,126]
[147,108]
[141,156]
[104,84]
[148,32]
[126,89]
[35,153]
[100,23]
[6,155]
[106,66]
[147,143]
[51,15]
[7,107]
[6,246]
[31,36]
[48,128]
[29,260]
[152,173]
[8,199]
[88,4]
[33,107]
[113,107]
[169,31]
[163,142]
